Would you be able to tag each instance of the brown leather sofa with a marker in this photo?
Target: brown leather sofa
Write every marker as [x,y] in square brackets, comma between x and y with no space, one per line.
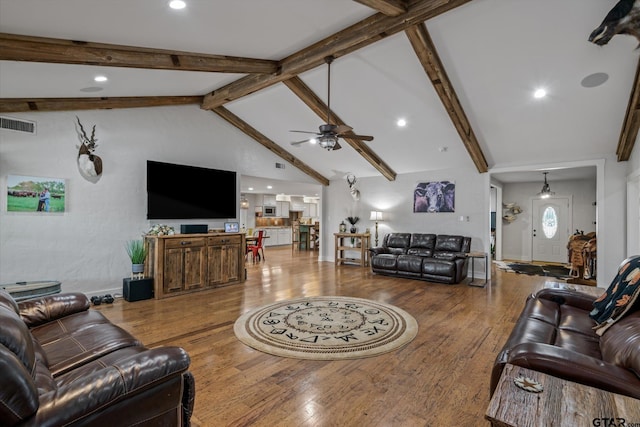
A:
[555,335]
[435,258]
[62,364]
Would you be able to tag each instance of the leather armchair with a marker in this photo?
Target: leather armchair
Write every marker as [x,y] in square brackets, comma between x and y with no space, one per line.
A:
[555,335]
[64,364]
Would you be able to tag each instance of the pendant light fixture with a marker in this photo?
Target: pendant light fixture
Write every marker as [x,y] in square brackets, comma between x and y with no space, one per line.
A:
[546,192]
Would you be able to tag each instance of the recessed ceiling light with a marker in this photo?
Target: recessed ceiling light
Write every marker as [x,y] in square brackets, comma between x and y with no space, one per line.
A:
[401,123]
[250,188]
[539,93]
[269,187]
[177,4]
[100,79]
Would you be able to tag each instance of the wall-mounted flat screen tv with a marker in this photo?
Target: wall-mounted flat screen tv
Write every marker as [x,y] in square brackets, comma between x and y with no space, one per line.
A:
[189,192]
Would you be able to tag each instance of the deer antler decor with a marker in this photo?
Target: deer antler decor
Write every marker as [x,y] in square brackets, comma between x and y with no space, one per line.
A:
[351,181]
[89,165]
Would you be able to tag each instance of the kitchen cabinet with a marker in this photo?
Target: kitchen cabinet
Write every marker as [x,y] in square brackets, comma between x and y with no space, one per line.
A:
[284,236]
[310,210]
[269,200]
[282,209]
[278,236]
[184,263]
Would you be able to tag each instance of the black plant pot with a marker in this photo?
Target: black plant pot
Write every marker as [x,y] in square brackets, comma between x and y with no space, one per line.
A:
[353,229]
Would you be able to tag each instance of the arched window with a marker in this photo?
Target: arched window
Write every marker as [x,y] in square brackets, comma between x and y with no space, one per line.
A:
[549,222]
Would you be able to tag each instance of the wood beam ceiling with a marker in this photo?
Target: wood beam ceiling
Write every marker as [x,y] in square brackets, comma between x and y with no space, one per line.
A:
[387,7]
[269,144]
[428,56]
[361,34]
[631,123]
[314,102]
[8,105]
[40,49]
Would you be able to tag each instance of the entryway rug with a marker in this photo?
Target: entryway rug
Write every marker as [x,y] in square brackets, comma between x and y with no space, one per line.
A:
[551,270]
[326,328]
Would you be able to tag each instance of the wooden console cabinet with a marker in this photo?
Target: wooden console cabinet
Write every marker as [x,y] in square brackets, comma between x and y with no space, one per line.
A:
[185,263]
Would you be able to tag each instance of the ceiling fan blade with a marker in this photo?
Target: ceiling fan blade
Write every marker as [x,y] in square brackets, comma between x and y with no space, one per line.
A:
[299,142]
[342,129]
[305,131]
[358,137]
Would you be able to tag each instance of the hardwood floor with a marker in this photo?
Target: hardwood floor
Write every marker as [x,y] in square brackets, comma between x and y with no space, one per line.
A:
[441,378]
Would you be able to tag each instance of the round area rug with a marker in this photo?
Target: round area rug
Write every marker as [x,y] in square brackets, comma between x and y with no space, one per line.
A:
[326,328]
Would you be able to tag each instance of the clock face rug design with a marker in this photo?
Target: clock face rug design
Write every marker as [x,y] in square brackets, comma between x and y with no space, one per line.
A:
[326,328]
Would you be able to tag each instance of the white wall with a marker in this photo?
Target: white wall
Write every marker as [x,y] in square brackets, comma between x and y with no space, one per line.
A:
[84,247]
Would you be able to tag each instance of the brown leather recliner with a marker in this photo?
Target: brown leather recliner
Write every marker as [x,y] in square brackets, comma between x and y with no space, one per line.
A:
[555,335]
[64,364]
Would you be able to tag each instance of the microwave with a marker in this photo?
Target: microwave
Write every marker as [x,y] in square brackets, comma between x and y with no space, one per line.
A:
[268,211]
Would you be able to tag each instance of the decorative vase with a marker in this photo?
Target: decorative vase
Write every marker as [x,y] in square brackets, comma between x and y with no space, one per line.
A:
[343,227]
[353,229]
[137,268]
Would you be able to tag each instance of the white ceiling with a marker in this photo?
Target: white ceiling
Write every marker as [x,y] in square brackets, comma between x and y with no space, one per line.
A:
[496,53]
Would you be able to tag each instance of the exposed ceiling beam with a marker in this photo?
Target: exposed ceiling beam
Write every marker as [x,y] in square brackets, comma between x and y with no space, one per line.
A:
[39,49]
[631,123]
[269,144]
[8,105]
[314,102]
[428,56]
[361,34]
[388,7]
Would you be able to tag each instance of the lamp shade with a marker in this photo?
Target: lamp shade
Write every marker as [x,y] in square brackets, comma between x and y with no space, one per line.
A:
[376,216]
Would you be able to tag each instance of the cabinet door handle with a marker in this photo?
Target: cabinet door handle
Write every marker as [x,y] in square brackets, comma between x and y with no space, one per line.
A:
[185,243]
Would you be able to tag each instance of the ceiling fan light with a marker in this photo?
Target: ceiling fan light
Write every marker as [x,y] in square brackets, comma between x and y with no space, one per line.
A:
[328,141]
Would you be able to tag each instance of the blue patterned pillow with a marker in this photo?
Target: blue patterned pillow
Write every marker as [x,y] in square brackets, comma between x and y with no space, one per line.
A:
[619,298]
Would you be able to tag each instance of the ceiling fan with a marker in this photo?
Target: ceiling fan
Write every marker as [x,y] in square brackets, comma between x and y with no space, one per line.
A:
[329,133]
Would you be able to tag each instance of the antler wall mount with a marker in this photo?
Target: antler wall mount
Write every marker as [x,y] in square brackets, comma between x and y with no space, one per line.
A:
[89,164]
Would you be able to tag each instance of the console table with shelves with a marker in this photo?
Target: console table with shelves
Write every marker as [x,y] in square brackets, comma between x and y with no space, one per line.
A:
[358,250]
[184,263]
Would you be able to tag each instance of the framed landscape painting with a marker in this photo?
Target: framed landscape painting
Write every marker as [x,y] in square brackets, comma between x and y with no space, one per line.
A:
[35,194]
[437,196]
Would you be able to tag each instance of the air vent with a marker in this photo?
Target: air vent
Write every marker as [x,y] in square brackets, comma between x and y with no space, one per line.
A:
[16,125]
[279,165]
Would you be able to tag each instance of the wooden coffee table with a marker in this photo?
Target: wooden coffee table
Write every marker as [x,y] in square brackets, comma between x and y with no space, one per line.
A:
[562,403]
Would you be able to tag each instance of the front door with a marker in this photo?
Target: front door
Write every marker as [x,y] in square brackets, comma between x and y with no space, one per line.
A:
[550,229]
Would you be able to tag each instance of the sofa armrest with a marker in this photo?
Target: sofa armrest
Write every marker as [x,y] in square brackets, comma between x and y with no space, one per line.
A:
[87,397]
[379,250]
[565,296]
[572,366]
[41,310]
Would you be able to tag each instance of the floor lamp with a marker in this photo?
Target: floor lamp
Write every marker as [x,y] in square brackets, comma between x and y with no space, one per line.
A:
[376,216]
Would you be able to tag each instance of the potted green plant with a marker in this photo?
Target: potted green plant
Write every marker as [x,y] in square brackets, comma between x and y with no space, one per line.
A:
[137,252]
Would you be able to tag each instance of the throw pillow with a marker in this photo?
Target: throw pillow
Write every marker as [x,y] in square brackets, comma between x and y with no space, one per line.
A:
[619,298]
